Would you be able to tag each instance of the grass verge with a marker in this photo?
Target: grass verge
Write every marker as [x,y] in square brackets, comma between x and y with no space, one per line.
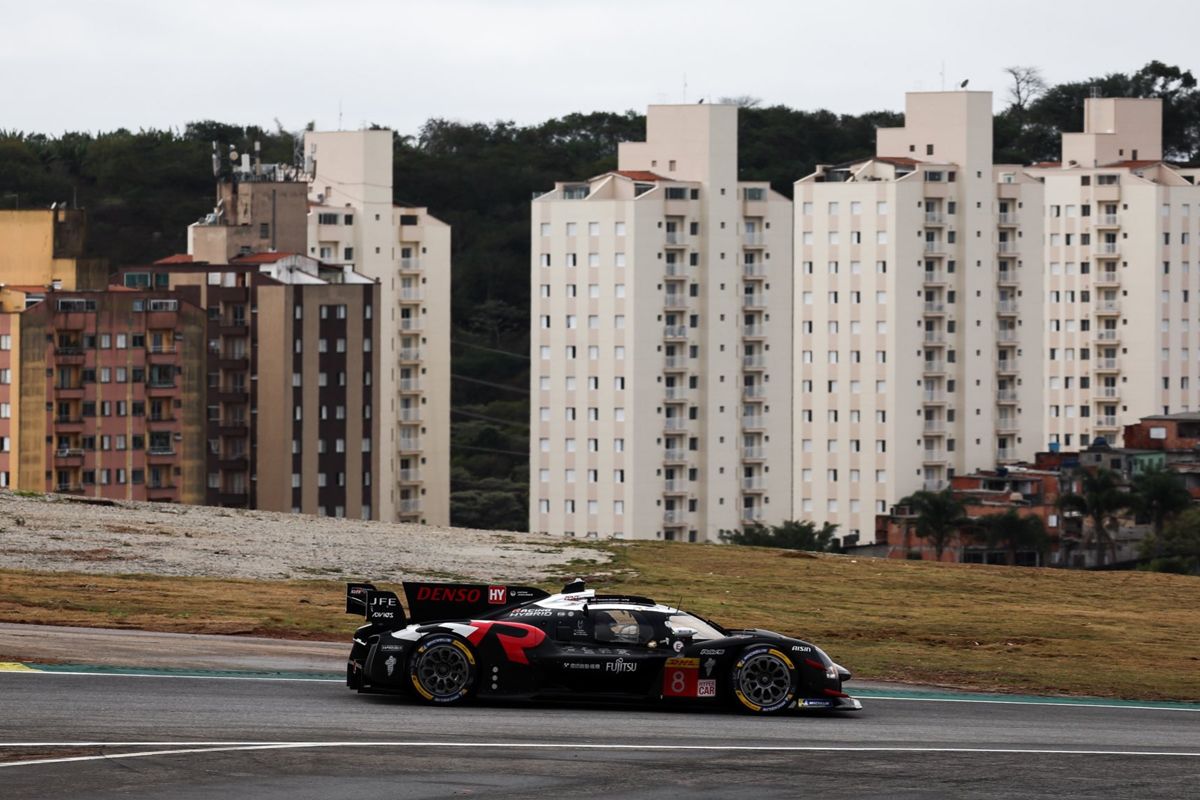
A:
[1117,634]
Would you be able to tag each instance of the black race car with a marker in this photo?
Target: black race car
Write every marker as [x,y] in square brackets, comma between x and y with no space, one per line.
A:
[461,641]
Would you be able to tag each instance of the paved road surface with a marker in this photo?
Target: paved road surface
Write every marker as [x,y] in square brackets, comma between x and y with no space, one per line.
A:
[171,736]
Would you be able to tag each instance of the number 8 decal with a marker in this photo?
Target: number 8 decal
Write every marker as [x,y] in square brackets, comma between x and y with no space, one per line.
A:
[678,682]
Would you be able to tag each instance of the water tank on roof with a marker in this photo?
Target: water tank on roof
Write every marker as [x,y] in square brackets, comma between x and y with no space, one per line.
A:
[1054,447]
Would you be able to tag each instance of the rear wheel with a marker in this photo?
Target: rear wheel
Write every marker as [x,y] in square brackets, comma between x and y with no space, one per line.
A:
[442,669]
[764,680]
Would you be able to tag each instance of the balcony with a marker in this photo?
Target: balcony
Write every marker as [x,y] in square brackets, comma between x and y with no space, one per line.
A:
[673,517]
[931,456]
[676,239]
[409,507]
[676,362]
[1108,220]
[935,337]
[755,391]
[753,453]
[68,488]
[409,354]
[752,515]
[1006,423]
[69,354]
[754,270]
[1006,277]
[933,367]
[1107,278]
[933,397]
[935,218]
[1108,307]
[410,414]
[1006,366]
[675,486]
[68,420]
[408,476]
[409,444]
[1108,365]
[68,457]
[1106,423]
[753,421]
[156,491]
[1006,396]
[754,301]
[1007,220]
[753,239]
[675,332]
[1107,249]
[409,385]
[935,248]
[1108,335]
[409,324]
[1004,454]
[934,484]
[676,269]
[411,294]
[754,362]
[1006,335]
[1108,392]
[410,265]
[935,307]
[675,300]
[934,277]
[936,427]
[674,455]
[1006,248]
[753,331]
[753,485]
[675,424]
[676,394]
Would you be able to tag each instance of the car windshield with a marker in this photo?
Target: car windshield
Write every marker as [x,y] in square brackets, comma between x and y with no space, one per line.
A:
[704,631]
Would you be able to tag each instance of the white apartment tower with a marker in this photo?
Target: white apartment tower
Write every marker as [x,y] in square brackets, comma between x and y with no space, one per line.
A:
[661,341]
[911,306]
[1122,333]
[353,221]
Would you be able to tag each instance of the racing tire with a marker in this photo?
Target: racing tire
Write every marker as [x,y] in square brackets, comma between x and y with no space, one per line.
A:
[443,670]
[763,680]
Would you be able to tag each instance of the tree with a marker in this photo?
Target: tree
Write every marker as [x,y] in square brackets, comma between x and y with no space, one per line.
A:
[939,517]
[1099,499]
[790,535]
[1013,531]
[1027,84]
[1160,495]
[1177,548]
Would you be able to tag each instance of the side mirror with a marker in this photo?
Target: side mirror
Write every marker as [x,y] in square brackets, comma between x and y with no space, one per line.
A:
[684,633]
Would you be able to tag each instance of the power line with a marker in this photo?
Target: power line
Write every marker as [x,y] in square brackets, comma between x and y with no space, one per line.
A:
[514,423]
[492,349]
[489,383]
[489,450]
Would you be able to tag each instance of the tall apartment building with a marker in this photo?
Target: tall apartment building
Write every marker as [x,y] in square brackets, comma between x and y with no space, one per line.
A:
[953,314]
[353,221]
[1122,337]
[661,341]
[102,396]
[289,395]
[338,209]
[911,339]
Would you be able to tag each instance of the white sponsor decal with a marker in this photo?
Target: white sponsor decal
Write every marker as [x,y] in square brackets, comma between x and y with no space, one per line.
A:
[390,664]
[706,688]
[621,665]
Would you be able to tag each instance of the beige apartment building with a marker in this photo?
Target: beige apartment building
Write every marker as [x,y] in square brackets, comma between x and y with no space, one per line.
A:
[953,314]
[661,341]
[352,221]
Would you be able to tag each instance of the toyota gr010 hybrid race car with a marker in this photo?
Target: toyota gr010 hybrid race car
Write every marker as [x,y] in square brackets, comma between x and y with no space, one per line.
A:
[462,641]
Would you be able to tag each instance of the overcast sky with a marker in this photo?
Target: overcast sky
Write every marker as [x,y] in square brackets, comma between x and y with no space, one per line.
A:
[103,64]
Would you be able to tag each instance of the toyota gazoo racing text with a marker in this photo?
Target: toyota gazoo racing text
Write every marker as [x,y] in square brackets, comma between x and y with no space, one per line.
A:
[457,642]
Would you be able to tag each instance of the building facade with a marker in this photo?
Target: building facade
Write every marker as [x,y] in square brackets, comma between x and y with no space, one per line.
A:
[661,341]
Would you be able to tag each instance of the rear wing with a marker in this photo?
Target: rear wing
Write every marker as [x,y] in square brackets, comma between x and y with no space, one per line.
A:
[428,602]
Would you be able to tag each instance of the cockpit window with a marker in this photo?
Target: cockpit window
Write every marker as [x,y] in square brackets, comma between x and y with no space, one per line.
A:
[621,626]
[704,631]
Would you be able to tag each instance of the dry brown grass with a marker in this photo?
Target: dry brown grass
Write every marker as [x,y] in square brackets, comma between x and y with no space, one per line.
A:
[1117,634]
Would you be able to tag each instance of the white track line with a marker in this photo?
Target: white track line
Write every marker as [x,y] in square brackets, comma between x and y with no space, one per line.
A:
[167,676]
[1062,704]
[216,747]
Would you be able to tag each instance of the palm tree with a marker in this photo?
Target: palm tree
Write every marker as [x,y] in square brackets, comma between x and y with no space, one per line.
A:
[1099,499]
[1014,532]
[1160,495]
[939,517]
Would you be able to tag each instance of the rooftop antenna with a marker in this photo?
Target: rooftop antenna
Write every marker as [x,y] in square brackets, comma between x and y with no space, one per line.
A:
[685,87]
[339,113]
[1094,91]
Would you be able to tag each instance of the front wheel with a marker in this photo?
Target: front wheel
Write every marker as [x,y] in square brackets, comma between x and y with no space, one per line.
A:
[764,680]
[442,670]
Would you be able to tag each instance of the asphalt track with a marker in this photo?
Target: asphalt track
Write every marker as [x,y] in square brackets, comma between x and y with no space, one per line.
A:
[83,732]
